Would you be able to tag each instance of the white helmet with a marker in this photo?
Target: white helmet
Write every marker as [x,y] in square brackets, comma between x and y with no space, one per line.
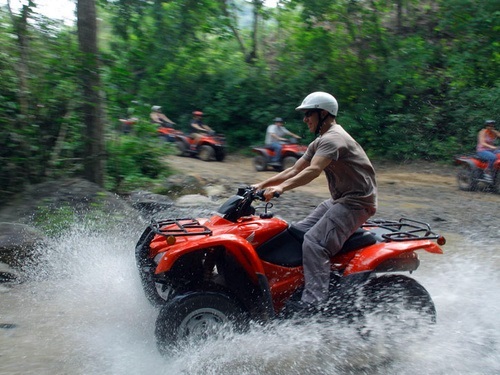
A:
[156,108]
[320,100]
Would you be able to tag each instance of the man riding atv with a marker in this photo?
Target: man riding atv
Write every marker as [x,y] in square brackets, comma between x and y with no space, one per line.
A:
[486,149]
[275,136]
[198,128]
[159,118]
[353,189]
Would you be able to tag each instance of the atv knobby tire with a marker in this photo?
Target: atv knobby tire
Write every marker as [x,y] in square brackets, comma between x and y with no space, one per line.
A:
[467,178]
[260,163]
[206,153]
[400,302]
[220,155]
[289,161]
[196,317]
[497,182]
[182,148]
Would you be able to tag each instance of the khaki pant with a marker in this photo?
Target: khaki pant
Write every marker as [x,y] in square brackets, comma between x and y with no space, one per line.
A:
[327,228]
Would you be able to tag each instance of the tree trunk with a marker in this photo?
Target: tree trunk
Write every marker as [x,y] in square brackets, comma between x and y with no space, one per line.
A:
[92,107]
[21,29]
[257,6]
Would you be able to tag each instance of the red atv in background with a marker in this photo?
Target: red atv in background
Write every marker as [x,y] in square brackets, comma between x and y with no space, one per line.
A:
[167,132]
[290,153]
[210,147]
[470,176]
[207,274]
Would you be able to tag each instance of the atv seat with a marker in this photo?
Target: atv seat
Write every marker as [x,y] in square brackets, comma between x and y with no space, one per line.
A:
[285,249]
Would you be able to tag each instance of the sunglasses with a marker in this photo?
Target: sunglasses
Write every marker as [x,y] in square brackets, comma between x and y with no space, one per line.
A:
[309,113]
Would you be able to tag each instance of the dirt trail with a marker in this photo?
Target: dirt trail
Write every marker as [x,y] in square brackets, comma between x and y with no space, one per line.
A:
[419,190]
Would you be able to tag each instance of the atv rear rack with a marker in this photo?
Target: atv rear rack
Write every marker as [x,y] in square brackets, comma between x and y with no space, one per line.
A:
[404,229]
[179,227]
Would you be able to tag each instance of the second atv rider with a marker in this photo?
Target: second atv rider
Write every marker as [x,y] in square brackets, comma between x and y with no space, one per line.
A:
[275,136]
[198,128]
[353,189]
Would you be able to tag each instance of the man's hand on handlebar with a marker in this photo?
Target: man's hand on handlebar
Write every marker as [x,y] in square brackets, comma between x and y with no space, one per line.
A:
[272,192]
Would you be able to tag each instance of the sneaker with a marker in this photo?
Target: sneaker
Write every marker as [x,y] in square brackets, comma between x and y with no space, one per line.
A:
[488,177]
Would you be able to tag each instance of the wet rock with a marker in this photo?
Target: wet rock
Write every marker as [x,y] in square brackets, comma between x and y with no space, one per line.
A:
[177,185]
[18,242]
[149,203]
[192,200]
[75,195]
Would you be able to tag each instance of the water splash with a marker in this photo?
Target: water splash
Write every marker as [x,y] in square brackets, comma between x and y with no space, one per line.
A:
[85,313]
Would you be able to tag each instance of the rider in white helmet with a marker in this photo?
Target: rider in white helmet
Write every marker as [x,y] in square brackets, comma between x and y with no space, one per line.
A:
[353,190]
[159,118]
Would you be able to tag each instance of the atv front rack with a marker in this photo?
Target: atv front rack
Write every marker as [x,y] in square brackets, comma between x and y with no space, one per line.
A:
[403,230]
[179,227]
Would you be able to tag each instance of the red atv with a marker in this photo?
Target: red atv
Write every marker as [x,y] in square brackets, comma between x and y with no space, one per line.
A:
[210,146]
[470,176]
[236,266]
[167,132]
[290,153]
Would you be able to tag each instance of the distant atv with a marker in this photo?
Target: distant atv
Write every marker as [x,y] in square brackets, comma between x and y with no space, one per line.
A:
[168,133]
[471,173]
[290,153]
[210,146]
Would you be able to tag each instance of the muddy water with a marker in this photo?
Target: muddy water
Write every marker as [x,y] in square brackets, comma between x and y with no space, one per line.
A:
[86,314]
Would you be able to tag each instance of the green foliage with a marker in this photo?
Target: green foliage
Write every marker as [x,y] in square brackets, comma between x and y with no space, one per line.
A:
[53,221]
[135,160]
[411,84]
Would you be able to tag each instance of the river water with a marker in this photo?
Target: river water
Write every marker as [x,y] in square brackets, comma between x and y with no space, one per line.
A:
[83,312]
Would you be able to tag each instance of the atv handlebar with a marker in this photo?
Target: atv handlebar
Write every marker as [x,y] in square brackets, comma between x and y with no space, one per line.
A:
[259,194]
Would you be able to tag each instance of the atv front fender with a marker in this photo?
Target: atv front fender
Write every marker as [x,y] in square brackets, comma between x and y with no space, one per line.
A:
[368,259]
[237,246]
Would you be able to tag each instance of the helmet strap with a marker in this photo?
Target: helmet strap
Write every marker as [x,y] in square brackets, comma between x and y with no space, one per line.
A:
[320,122]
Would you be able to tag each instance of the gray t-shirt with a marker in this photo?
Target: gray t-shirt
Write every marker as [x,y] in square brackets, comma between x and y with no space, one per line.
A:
[350,175]
[280,131]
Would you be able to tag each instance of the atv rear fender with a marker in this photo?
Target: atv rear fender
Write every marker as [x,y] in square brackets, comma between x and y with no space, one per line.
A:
[261,151]
[183,138]
[466,160]
[390,256]
[237,246]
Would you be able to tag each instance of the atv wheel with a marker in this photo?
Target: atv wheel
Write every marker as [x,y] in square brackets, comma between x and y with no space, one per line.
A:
[289,161]
[206,153]
[399,301]
[220,155]
[196,317]
[182,148]
[497,182]
[260,163]
[467,178]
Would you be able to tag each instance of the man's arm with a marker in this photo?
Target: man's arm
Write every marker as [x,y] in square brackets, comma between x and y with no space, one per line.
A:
[292,134]
[300,174]
[284,175]
[276,137]
[197,127]
[164,117]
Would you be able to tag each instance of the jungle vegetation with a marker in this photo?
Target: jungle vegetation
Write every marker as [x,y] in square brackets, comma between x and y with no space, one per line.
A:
[415,79]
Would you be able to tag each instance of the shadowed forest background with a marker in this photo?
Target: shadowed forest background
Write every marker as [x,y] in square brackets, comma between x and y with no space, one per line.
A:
[414,79]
